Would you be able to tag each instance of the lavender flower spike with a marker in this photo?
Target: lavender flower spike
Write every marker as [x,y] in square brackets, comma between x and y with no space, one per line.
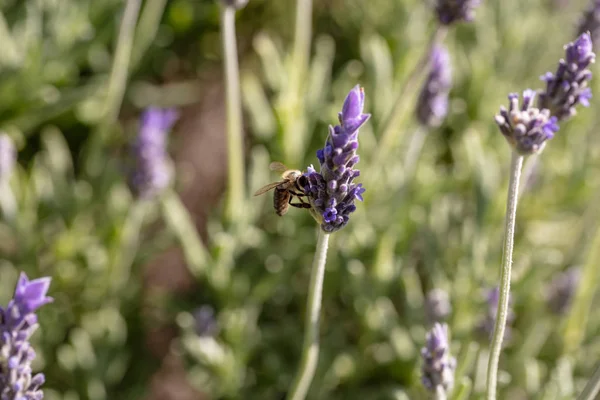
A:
[568,87]
[451,11]
[332,192]
[438,365]
[590,21]
[152,173]
[526,128]
[432,105]
[8,156]
[17,323]
[560,293]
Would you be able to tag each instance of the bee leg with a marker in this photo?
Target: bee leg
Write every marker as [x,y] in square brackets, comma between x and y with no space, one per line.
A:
[302,204]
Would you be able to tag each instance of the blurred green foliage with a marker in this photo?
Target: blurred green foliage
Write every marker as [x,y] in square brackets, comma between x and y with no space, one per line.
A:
[82,226]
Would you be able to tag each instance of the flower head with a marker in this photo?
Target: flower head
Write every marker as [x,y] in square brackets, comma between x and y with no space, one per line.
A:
[590,21]
[526,128]
[432,105]
[451,11]
[8,157]
[438,365]
[437,305]
[151,173]
[332,191]
[568,87]
[560,293]
[17,323]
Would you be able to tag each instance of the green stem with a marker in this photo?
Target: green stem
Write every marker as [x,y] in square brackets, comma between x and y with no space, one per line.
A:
[120,68]
[440,393]
[8,204]
[310,347]
[128,244]
[180,222]
[579,313]
[295,133]
[509,236]
[235,153]
[117,83]
[413,154]
[147,28]
[593,386]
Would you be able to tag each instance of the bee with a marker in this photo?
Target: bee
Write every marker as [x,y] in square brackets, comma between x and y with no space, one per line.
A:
[285,190]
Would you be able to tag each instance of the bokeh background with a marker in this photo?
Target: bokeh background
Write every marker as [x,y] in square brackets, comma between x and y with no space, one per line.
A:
[140,312]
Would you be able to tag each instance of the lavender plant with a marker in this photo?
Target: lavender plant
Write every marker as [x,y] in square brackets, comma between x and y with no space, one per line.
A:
[152,173]
[437,372]
[527,128]
[331,193]
[590,21]
[432,104]
[453,11]
[17,323]
[560,292]
[568,86]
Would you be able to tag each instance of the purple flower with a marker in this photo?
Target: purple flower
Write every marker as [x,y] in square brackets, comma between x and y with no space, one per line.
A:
[205,323]
[590,21]
[432,105]
[568,87]
[438,365]
[437,305]
[332,191]
[526,128]
[486,325]
[451,11]
[151,173]
[17,323]
[8,157]
[559,294]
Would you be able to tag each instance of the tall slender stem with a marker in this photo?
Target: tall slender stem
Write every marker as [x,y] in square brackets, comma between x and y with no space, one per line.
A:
[582,303]
[181,223]
[390,124]
[117,82]
[509,237]
[120,68]
[593,386]
[440,393]
[235,140]
[310,347]
[8,204]
[294,140]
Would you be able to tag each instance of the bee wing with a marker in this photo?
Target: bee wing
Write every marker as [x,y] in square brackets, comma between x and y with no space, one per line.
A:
[278,167]
[268,187]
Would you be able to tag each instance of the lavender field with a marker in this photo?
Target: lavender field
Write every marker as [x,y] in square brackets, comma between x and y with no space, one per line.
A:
[299,199]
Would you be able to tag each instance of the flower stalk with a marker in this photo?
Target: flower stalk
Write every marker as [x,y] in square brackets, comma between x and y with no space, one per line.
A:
[592,388]
[235,140]
[505,272]
[310,347]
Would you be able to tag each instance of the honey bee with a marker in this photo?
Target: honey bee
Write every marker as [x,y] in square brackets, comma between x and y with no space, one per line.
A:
[285,190]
